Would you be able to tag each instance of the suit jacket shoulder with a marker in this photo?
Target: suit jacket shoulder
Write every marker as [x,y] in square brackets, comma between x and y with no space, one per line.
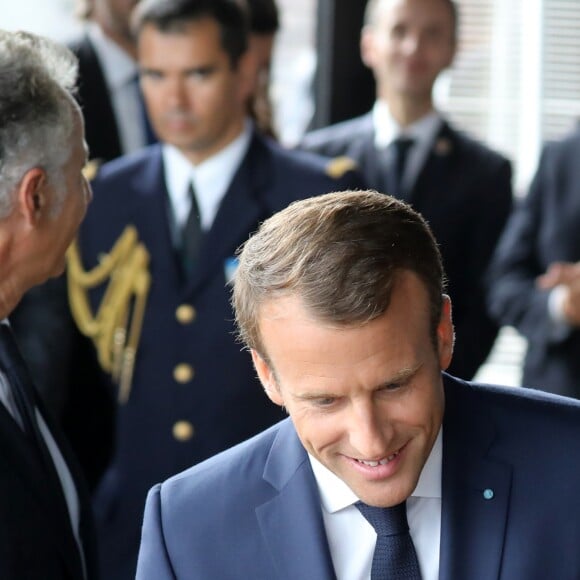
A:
[338,139]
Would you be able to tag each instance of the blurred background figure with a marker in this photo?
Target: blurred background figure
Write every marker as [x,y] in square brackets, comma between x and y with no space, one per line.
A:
[534,281]
[264,24]
[109,94]
[46,526]
[406,148]
[192,200]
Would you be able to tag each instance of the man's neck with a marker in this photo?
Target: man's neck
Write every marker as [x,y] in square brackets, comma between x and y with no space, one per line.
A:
[406,111]
[126,44]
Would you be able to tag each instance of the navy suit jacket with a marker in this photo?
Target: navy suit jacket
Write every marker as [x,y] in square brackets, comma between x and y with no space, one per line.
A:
[544,228]
[223,402]
[101,131]
[254,511]
[464,192]
[36,539]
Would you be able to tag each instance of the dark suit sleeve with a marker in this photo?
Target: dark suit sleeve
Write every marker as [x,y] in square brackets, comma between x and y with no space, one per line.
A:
[65,370]
[514,298]
[475,329]
[154,562]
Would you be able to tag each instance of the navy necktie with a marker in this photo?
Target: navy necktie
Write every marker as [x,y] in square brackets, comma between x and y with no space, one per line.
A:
[401,148]
[394,557]
[191,236]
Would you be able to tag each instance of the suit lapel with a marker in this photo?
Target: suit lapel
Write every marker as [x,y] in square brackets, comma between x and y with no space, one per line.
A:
[476,491]
[241,209]
[435,168]
[291,522]
[152,215]
[22,458]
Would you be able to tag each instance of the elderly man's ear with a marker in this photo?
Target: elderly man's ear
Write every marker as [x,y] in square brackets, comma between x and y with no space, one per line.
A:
[31,197]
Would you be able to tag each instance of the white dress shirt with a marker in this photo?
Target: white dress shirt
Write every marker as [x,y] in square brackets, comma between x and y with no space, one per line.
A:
[423,132]
[120,72]
[352,539]
[210,179]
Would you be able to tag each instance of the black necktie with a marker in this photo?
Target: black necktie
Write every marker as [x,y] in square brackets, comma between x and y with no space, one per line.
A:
[191,236]
[394,557]
[401,148]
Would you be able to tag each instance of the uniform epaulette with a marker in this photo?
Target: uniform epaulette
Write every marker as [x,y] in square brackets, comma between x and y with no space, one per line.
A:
[338,166]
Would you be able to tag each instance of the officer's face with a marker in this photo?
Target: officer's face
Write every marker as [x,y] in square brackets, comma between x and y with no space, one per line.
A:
[367,401]
[196,100]
[409,44]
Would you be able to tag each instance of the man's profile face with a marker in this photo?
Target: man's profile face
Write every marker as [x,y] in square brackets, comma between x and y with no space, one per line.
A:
[366,401]
[196,100]
[411,42]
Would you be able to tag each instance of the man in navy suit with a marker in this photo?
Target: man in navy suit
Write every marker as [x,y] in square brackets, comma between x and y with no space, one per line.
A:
[406,148]
[193,392]
[340,299]
[108,88]
[45,517]
[534,284]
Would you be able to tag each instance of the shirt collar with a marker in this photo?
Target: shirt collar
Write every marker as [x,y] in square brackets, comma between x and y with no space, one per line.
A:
[336,495]
[210,179]
[387,129]
[118,67]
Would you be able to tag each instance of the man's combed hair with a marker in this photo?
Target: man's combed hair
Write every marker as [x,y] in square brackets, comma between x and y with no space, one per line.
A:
[264,17]
[36,120]
[341,254]
[173,15]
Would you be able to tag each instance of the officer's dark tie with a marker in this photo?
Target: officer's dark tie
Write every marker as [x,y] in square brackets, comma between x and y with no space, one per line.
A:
[191,236]
[401,148]
[394,557]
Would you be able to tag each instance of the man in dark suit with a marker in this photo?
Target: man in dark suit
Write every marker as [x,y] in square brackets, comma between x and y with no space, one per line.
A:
[406,148]
[534,284]
[192,200]
[115,120]
[340,300]
[45,522]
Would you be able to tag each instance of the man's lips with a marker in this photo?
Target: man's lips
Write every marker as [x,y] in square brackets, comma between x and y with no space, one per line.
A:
[378,468]
[375,462]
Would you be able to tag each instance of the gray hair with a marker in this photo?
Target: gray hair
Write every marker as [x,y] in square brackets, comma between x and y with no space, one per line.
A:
[37,79]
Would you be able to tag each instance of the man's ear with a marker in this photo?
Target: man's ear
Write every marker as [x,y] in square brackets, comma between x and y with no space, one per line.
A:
[367,46]
[248,75]
[445,334]
[31,195]
[267,379]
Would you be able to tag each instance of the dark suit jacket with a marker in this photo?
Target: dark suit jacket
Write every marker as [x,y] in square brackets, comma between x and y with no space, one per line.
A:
[544,228]
[464,192]
[223,401]
[36,539]
[101,131]
[254,511]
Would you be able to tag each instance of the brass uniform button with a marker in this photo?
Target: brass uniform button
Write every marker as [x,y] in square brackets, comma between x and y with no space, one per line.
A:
[183,430]
[183,373]
[185,314]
